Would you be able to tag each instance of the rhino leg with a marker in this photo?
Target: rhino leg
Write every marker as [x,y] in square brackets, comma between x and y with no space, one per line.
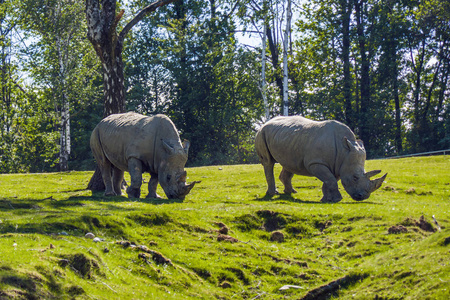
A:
[135,170]
[286,179]
[330,187]
[117,180]
[270,178]
[152,186]
[106,169]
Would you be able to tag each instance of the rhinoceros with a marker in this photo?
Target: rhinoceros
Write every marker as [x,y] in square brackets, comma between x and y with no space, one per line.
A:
[327,150]
[135,143]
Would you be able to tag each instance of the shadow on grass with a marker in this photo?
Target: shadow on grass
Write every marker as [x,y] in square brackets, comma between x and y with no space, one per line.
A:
[290,198]
[118,199]
[283,197]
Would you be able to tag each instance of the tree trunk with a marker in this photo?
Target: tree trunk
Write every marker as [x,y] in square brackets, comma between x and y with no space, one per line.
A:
[346,12]
[102,23]
[365,79]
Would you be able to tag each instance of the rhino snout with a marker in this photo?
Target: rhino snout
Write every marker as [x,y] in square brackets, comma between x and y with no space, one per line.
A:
[360,196]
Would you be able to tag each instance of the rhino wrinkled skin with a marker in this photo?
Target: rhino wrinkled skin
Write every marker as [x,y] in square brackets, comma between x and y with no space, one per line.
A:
[135,143]
[327,150]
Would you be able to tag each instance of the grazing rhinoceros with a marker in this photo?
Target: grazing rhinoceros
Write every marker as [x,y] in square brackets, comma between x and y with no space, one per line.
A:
[136,143]
[327,150]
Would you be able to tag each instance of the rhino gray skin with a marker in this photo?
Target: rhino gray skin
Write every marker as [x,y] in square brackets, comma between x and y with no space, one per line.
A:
[135,143]
[327,150]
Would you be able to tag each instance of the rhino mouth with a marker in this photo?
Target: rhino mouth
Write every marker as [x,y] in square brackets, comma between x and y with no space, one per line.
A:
[360,196]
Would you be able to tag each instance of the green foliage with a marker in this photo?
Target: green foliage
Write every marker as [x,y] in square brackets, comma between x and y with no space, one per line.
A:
[170,250]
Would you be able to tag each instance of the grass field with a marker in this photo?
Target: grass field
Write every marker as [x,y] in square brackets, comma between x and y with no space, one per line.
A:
[226,240]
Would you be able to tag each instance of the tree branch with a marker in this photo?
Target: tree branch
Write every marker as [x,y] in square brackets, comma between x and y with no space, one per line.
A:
[152,7]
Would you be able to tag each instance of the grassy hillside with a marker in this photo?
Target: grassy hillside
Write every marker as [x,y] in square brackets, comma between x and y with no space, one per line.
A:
[223,240]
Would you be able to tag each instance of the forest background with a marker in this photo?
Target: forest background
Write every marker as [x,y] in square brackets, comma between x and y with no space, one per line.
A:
[381,67]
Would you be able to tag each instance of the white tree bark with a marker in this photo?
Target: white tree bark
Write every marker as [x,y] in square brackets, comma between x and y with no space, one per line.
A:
[285,59]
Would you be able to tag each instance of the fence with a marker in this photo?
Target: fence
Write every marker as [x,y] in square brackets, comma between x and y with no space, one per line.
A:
[443,152]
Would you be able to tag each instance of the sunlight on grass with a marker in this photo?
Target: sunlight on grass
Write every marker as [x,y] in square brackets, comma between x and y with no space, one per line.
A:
[219,242]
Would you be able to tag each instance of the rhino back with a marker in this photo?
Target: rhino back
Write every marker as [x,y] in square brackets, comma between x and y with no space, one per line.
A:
[123,136]
[297,143]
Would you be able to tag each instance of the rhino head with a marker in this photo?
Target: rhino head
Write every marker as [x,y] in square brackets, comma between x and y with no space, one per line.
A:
[355,180]
[171,173]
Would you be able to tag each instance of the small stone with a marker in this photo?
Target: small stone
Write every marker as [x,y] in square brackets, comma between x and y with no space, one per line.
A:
[97,240]
[52,246]
[106,250]
[89,235]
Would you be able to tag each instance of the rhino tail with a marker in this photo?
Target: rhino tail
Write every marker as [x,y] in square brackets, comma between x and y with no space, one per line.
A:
[96,146]
[261,148]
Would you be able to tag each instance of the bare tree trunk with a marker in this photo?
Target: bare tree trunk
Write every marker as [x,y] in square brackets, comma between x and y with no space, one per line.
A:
[102,23]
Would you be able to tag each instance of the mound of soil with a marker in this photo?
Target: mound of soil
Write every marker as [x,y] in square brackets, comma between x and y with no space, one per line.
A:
[277,236]
[226,238]
[396,229]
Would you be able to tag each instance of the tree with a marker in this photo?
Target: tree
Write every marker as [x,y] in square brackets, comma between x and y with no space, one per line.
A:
[103,21]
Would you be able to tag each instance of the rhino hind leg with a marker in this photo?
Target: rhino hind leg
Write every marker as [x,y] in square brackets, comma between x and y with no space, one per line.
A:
[270,178]
[330,187]
[135,170]
[106,169]
[286,179]
[117,180]
[152,186]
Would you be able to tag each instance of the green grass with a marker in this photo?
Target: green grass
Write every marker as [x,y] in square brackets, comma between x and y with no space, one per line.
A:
[347,246]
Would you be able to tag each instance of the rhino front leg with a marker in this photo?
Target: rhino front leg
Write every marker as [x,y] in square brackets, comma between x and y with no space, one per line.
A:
[152,186]
[135,169]
[270,178]
[286,179]
[117,180]
[330,187]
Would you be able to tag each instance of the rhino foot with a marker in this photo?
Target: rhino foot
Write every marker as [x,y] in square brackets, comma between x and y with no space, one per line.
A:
[110,193]
[272,193]
[331,200]
[290,191]
[133,192]
[155,196]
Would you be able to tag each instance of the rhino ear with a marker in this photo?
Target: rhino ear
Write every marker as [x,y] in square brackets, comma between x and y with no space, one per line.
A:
[348,144]
[360,143]
[186,145]
[169,149]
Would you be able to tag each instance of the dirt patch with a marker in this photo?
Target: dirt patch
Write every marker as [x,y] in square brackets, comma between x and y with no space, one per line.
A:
[80,263]
[425,225]
[396,229]
[157,257]
[226,238]
[225,285]
[272,220]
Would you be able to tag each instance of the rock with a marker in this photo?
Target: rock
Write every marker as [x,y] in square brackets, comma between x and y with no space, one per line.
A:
[89,235]
[97,240]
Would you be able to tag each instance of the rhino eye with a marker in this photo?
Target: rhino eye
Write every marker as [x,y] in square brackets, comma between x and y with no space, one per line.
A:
[169,177]
[355,178]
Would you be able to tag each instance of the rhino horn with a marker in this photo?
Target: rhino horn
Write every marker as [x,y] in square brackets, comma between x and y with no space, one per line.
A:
[376,183]
[188,187]
[372,173]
